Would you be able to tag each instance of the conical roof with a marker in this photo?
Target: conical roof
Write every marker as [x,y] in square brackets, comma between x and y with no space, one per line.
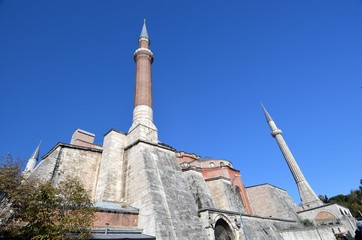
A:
[35,154]
[144,33]
[267,116]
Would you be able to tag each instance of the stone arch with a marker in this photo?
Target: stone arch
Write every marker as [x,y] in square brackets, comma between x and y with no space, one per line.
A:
[324,216]
[223,230]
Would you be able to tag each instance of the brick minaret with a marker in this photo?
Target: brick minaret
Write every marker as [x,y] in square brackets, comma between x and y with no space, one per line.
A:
[308,197]
[142,126]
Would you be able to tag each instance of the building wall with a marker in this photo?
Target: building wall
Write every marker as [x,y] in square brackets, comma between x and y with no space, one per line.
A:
[199,189]
[156,186]
[109,185]
[331,216]
[235,182]
[223,195]
[70,161]
[169,199]
[45,169]
[308,234]
[115,219]
[269,201]
[80,164]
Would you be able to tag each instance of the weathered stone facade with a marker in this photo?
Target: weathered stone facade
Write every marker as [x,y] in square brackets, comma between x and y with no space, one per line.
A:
[270,201]
[141,185]
[336,218]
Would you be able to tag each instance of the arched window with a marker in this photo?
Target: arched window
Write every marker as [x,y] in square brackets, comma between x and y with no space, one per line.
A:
[211,164]
[222,230]
[222,164]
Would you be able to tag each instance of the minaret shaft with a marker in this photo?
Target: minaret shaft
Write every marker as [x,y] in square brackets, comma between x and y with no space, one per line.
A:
[308,197]
[142,126]
[143,88]
[292,164]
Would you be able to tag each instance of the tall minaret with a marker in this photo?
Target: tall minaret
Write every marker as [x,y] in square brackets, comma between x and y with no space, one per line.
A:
[32,161]
[142,126]
[307,195]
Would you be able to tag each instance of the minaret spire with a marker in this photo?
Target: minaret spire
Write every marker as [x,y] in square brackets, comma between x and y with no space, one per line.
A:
[308,197]
[142,112]
[32,161]
[144,33]
[267,116]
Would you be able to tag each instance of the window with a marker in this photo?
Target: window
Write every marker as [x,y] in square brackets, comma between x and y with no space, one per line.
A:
[341,211]
[211,164]
[222,164]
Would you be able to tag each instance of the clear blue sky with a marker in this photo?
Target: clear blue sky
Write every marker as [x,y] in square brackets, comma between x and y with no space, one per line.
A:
[69,64]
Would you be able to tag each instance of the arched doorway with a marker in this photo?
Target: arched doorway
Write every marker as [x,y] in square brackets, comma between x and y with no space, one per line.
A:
[223,231]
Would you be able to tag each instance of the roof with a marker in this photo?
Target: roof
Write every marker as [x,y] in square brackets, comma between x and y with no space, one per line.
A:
[35,154]
[205,159]
[267,115]
[144,33]
[266,184]
[122,236]
[115,207]
[119,233]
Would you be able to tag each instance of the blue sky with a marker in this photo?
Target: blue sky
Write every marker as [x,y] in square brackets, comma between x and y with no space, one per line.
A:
[69,64]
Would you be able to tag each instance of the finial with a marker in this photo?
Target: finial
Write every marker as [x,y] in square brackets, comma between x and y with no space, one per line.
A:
[144,33]
[267,116]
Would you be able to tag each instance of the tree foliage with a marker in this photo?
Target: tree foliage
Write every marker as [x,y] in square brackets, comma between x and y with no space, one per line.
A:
[34,209]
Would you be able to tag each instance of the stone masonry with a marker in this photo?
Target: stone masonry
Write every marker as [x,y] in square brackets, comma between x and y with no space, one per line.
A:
[156,186]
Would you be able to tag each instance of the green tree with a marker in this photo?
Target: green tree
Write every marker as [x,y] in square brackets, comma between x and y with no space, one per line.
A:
[34,209]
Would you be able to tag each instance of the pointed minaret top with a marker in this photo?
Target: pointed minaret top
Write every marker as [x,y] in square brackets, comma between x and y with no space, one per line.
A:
[35,154]
[267,116]
[32,162]
[144,33]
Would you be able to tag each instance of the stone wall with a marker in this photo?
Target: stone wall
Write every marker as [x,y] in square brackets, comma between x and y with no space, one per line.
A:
[155,185]
[331,215]
[66,160]
[310,234]
[45,169]
[258,228]
[270,201]
[79,163]
[109,180]
[224,196]
[199,189]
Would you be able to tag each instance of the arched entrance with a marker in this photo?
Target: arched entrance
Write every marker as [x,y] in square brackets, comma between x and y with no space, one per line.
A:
[223,231]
